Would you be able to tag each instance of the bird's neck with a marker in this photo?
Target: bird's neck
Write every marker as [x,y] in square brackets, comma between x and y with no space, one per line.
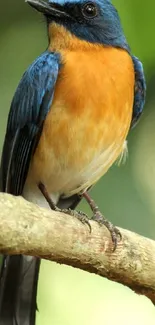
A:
[60,39]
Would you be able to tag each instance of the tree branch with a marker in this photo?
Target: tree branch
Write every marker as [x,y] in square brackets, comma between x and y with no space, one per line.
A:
[28,229]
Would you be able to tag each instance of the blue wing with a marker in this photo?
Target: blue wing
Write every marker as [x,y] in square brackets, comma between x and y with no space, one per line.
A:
[140,91]
[30,105]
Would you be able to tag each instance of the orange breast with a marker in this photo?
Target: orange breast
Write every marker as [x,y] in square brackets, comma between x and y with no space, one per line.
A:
[87,125]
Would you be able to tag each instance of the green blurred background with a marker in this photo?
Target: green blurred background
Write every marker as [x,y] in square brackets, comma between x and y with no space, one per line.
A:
[126,194]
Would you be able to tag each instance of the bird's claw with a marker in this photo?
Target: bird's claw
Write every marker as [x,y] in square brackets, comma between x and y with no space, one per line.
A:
[114,232]
[77,214]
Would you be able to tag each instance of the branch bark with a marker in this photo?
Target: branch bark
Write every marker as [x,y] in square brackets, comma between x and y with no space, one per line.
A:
[28,229]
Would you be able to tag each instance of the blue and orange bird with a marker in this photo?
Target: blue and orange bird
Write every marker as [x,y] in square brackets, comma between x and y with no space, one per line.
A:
[67,125]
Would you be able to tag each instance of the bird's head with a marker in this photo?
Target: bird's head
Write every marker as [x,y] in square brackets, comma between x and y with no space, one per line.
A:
[93,21]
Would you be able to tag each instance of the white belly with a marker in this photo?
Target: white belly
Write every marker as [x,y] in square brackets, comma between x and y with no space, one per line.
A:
[68,183]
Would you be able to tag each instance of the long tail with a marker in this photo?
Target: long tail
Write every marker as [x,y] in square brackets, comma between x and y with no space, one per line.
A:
[18,290]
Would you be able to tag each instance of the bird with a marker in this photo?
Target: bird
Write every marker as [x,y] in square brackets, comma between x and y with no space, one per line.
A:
[68,123]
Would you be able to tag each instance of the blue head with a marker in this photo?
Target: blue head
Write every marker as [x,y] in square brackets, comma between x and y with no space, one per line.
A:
[95,21]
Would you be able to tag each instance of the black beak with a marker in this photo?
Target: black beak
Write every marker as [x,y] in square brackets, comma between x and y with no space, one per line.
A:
[48,9]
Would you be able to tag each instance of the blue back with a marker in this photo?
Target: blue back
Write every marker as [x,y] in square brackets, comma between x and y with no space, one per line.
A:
[28,111]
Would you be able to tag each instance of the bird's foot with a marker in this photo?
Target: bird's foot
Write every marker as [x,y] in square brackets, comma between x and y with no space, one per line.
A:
[77,214]
[101,220]
[114,232]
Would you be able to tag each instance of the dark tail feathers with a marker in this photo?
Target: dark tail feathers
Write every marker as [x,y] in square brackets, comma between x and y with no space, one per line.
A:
[18,290]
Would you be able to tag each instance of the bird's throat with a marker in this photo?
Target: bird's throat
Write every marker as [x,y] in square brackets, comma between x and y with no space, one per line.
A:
[62,39]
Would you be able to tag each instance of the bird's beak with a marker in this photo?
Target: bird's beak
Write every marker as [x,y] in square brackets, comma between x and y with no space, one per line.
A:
[48,9]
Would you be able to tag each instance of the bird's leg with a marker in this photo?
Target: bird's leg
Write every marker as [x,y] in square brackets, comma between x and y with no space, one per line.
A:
[97,216]
[78,214]
[44,192]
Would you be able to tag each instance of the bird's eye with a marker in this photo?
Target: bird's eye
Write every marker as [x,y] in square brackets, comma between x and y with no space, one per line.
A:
[89,10]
